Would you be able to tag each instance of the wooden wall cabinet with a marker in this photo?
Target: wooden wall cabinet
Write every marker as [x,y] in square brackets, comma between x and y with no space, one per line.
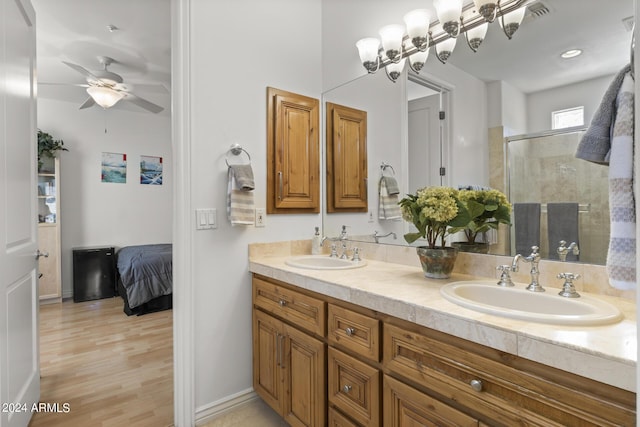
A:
[346,159]
[385,371]
[49,267]
[293,153]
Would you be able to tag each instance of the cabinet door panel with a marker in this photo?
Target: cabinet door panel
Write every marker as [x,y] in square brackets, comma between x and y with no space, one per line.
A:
[305,382]
[293,153]
[346,159]
[267,359]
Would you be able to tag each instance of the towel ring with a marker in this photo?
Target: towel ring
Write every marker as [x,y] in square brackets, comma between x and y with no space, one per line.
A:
[236,150]
[384,166]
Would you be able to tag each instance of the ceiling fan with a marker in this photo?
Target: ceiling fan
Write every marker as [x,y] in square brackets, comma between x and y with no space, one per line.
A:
[106,88]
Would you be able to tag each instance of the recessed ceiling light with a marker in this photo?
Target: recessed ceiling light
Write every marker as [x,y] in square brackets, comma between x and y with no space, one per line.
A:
[571,53]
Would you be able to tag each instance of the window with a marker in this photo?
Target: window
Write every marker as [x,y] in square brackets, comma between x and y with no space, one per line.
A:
[567,118]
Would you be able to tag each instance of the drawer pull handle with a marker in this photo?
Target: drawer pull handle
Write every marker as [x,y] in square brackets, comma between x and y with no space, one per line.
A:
[476,385]
[282,303]
[349,331]
[346,388]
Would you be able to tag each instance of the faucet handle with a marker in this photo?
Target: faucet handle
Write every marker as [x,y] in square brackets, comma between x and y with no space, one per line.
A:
[334,251]
[568,289]
[356,254]
[505,278]
[534,250]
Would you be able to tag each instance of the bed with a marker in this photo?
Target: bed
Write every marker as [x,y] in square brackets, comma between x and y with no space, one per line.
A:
[145,278]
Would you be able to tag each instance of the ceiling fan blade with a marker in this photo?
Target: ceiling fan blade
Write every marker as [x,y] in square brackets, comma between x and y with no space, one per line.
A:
[88,103]
[62,84]
[82,71]
[141,102]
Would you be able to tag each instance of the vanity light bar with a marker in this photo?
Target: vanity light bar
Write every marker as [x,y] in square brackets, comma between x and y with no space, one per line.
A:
[469,20]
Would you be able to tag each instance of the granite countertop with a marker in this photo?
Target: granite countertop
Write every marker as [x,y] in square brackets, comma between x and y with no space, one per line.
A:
[604,353]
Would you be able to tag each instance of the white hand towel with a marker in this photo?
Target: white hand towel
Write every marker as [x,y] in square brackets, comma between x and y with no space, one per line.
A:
[240,206]
[388,207]
[621,257]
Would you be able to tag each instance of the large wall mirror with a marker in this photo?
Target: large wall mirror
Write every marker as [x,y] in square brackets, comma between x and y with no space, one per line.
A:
[501,93]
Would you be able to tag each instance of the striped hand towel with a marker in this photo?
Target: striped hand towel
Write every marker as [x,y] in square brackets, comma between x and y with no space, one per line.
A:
[621,257]
[388,207]
[240,206]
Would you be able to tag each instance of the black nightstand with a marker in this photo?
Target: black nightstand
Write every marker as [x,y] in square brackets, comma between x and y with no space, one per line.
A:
[94,273]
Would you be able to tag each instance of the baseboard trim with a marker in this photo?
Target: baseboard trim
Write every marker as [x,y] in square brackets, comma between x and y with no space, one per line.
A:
[208,412]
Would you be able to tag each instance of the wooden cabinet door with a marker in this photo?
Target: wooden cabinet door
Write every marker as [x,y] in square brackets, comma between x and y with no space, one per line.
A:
[304,383]
[268,359]
[293,153]
[404,406]
[346,159]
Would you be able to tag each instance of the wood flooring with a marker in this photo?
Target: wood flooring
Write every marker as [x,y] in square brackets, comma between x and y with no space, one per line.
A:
[109,368]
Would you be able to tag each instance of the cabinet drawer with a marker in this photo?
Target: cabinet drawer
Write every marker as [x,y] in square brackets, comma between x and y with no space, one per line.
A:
[405,406]
[488,381]
[354,388]
[336,419]
[302,310]
[354,331]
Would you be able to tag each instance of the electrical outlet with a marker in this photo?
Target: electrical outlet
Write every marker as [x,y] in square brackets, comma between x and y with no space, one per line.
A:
[260,217]
[370,215]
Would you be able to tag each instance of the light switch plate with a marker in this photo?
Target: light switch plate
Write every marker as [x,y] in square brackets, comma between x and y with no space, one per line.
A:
[260,217]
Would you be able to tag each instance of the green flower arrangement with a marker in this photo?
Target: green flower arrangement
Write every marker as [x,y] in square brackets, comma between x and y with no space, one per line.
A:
[434,211]
[487,209]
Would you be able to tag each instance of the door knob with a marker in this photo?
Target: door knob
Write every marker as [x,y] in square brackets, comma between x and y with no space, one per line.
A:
[41,254]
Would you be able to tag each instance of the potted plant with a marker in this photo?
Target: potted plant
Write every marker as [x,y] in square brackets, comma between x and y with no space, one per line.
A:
[487,210]
[434,211]
[48,147]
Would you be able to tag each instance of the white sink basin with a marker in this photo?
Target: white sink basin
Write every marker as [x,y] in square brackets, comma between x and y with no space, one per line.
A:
[323,262]
[540,307]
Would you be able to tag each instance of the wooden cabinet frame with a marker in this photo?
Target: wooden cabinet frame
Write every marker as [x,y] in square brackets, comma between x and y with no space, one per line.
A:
[347,177]
[293,153]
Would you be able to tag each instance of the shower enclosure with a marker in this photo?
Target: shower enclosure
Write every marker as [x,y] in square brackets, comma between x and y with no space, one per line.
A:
[543,169]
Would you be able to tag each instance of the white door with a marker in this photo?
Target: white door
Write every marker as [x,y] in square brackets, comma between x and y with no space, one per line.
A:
[19,370]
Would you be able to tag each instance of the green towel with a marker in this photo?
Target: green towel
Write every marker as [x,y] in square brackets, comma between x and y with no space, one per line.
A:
[391,185]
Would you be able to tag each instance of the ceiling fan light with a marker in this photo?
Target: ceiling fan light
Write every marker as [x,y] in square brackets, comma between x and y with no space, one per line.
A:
[104,96]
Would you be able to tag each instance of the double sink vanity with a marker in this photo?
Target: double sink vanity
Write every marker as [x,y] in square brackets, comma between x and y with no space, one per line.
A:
[375,343]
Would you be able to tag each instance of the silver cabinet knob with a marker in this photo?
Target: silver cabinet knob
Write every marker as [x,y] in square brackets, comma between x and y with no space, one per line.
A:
[346,388]
[476,385]
[349,331]
[282,303]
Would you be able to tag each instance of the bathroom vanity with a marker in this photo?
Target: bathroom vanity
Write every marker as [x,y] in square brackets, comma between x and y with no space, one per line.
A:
[379,346]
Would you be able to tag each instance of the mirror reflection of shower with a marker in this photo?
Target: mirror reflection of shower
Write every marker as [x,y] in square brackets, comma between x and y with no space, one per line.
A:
[549,184]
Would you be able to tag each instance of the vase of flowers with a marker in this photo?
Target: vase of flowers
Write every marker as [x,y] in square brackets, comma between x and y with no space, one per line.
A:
[434,211]
[487,209]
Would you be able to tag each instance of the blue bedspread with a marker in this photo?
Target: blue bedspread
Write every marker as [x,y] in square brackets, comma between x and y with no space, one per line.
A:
[146,272]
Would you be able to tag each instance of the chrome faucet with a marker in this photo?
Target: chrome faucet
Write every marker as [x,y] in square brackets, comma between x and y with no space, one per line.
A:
[341,238]
[533,259]
[563,250]
[377,236]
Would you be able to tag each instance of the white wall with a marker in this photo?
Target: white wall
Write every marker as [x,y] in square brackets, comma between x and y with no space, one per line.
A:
[275,43]
[588,93]
[96,213]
